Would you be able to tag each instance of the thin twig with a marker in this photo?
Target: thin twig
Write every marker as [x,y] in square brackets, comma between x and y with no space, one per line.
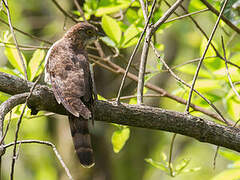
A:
[79,9]
[7,127]
[190,61]
[142,66]
[132,115]
[18,151]
[24,47]
[144,10]
[231,38]
[203,32]
[18,126]
[186,15]
[167,14]
[135,96]
[117,69]
[48,144]
[215,157]
[16,138]
[183,82]
[5,107]
[26,34]
[201,60]
[149,32]
[228,74]
[5,2]
[125,10]
[205,35]
[133,54]
[103,65]
[170,155]
[64,12]
[229,23]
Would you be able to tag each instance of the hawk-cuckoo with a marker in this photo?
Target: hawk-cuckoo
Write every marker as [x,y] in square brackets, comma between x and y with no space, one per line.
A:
[67,70]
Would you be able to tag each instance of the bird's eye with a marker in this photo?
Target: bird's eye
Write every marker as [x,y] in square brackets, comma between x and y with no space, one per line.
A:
[89,32]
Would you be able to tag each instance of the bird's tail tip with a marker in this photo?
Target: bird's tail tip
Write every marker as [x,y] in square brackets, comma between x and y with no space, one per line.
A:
[86,157]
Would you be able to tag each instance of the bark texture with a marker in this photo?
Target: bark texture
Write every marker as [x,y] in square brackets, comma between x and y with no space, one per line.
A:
[131,115]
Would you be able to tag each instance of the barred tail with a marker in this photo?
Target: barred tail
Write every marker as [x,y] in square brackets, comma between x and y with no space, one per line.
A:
[81,140]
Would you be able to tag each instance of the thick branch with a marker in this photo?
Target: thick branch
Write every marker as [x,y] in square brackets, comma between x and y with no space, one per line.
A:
[137,116]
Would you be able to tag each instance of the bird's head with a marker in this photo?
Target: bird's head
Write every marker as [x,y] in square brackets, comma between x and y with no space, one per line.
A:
[82,34]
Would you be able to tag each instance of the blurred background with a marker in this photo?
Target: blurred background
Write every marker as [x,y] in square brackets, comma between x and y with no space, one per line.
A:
[179,42]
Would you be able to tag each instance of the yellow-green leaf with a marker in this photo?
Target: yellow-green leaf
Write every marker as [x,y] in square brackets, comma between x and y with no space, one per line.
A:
[205,85]
[9,71]
[110,9]
[119,138]
[157,164]
[4,97]
[35,62]
[230,174]
[111,28]
[233,107]
[14,59]
[191,69]
[232,156]
[130,36]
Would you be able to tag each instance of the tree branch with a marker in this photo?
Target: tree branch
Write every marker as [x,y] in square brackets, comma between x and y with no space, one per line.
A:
[229,23]
[138,116]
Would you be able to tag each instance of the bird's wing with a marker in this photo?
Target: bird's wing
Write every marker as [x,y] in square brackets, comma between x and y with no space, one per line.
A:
[68,74]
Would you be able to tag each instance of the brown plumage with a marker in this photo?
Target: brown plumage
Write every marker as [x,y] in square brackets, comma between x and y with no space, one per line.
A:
[67,70]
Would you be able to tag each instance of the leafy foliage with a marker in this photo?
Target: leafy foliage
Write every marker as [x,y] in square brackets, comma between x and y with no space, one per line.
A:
[232,172]
[123,22]
[120,137]
[169,169]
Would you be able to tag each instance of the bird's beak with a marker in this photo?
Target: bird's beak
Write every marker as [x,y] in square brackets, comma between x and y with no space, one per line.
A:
[100,33]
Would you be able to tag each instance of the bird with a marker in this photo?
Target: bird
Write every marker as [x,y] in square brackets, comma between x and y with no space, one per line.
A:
[67,71]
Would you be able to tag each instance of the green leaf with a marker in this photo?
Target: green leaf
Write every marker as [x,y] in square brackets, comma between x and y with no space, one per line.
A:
[157,165]
[101,98]
[108,41]
[160,47]
[191,170]
[9,71]
[111,28]
[230,174]
[222,74]
[210,51]
[148,76]
[110,9]
[163,156]
[205,85]
[195,5]
[233,107]
[119,138]
[90,5]
[130,36]
[236,164]
[35,62]
[214,64]
[191,69]
[5,36]
[235,58]
[181,166]
[131,15]
[133,101]
[3,96]
[231,94]
[14,59]
[229,155]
